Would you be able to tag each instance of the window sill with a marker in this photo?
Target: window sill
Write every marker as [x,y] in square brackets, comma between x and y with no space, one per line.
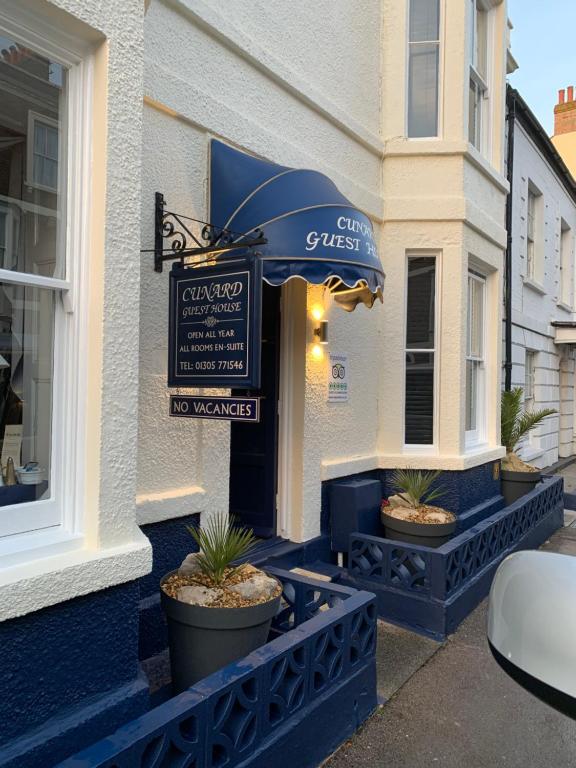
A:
[565,307]
[534,285]
[68,569]
[475,446]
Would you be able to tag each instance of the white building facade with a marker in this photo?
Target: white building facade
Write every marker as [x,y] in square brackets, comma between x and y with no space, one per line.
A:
[543,215]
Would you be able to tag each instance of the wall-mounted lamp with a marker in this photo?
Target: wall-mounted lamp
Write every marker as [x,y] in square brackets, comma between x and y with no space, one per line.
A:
[321,332]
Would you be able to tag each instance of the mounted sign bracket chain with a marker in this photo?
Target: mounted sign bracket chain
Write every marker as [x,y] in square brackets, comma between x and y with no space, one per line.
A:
[183,242]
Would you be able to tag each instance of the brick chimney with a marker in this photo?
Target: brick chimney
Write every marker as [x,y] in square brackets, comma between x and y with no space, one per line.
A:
[565,112]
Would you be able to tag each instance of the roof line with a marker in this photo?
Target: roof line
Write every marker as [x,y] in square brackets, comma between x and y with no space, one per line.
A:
[541,138]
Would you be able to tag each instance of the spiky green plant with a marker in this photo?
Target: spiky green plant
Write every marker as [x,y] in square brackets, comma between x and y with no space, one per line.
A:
[413,485]
[514,422]
[221,542]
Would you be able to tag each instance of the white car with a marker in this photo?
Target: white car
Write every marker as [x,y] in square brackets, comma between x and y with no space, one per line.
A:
[532,625]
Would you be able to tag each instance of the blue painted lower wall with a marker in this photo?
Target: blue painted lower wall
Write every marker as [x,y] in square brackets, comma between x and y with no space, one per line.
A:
[69,672]
[171,542]
[432,590]
[472,494]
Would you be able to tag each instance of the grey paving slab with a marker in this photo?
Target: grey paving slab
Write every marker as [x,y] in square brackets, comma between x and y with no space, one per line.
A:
[461,709]
[399,655]
[563,541]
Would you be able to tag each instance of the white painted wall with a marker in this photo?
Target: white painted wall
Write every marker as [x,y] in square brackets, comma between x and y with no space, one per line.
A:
[320,85]
[536,304]
[298,85]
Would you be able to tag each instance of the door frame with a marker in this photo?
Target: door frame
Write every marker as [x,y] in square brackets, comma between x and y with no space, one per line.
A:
[291,402]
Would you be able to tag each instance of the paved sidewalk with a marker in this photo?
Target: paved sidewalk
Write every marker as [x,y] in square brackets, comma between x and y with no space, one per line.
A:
[460,710]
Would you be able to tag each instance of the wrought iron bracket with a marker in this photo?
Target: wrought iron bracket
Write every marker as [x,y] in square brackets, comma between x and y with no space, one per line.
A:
[183,242]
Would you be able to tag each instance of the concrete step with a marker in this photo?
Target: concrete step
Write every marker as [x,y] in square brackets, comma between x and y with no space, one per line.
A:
[320,571]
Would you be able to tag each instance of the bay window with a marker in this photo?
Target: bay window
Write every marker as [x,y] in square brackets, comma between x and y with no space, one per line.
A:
[420,351]
[475,359]
[478,96]
[423,68]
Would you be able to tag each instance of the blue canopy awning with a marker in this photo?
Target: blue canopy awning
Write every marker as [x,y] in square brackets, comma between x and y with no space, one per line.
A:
[313,231]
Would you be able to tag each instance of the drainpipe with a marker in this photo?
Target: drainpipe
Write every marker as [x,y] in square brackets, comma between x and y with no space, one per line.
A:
[511,118]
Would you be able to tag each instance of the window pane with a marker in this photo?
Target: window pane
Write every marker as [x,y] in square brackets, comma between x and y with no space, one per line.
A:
[420,307]
[419,429]
[481,42]
[424,20]
[32,137]
[423,90]
[471,394]
[475,318]
[26,361]
[474,114]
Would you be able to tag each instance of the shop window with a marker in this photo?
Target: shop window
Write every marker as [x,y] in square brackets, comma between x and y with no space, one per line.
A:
[478,97]
[475,359]
[423,68]
[566,293]
[420,351]
[33,324]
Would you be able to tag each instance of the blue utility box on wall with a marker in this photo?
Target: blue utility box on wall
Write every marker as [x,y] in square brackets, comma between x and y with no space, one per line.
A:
[354,506]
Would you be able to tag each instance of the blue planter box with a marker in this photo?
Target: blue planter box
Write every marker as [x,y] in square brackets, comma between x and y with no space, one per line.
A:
[291,702]
[432,590]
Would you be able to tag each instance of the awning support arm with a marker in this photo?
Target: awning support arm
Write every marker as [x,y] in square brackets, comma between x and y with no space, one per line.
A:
[170,226]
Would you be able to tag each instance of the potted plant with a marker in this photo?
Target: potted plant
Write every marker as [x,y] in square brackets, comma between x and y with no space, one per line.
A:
[409,515]
[517,476]
[217,612]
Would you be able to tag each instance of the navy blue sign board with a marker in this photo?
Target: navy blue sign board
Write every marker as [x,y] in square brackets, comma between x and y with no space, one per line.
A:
[224,408]
[216,325]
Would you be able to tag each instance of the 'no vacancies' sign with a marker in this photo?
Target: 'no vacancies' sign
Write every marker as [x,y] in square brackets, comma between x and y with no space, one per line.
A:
[223,408]
[215,325]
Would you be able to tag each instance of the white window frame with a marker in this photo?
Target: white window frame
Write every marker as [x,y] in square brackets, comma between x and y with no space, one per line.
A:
[566,266]
[426,448]
[529,377]
[35,118]
[439,84]
[477,436]
[479,82]
[57,522]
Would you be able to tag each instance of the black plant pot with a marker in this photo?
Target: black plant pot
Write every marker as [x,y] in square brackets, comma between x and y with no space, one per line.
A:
[426,534]
[203,639]
[516,484]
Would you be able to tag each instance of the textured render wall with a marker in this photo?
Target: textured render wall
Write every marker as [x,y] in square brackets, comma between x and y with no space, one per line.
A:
[536,305]
[114,548]
[211,72]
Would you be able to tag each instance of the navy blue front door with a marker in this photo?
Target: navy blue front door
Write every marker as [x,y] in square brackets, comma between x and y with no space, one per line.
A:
[254,447]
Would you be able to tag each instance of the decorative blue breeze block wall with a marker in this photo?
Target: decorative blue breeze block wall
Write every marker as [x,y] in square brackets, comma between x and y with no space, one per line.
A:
[432,590]
[472,494]
[171,542]
[70,674]
[291,702]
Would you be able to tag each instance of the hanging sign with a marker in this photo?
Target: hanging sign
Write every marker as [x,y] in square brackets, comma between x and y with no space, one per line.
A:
[338,378]
[225,408]
[216,325]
